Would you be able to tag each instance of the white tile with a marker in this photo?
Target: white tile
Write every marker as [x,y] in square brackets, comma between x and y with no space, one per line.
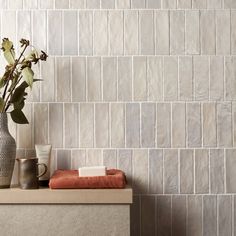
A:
[54,32]
[199,4]
[78,158]
[86,127]
[170,78]
[93,4]
[63,82]
[94,78]
[110,159]
[62,4]
[107,4]
[123,4]
[39,30]
[177,25]
[233,31]
[24,25]
[63,159]
[77,4]
[169,4]
[15,4]
[153,4]
[3,4]
[46,4]
[100,33]
[56,124]
[137,3]
[116,32]
[230,75]
[146,32]
[85,32]
[214,4]
[222,31]
[131,32]
[184,4]
[70,42]
[124,161]
[117,125]
[124,78]
[9,25]
[109,72]
[94,157]
[140,78]
[101,125]
[30,4]
[162,32]
[78,79]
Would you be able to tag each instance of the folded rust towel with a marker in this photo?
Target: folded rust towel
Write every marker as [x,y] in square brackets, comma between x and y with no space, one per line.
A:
[63,179]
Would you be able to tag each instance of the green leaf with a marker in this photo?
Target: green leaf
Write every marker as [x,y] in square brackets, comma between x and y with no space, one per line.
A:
[9,56]
[18,116]
[2,82]
[28,76]
[7,44]
[9,52]
[1,104]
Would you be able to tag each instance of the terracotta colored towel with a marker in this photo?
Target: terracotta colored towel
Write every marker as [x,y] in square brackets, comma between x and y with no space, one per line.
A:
[62,179]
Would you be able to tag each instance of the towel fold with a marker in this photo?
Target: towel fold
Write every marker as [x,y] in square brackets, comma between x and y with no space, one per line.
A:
[70,179]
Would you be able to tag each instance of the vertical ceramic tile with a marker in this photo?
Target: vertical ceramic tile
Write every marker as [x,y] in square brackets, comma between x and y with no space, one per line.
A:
[131,32]
[46,4]
[137,3]
[48,77]
[179,215]
[124,161]
[78,79]
[15,4]
[234,122]
[214,4]
[24,25]
[184,4]
[107,4]
[216,78]
[155,171]
[70,26]
[100,33]
[201,77]
[233,31]
[185,78]
[140,78]
[224,215]
[63,82]
[86,127]
[122,4]
[8,26]
[201,171]
[209,215]
[154,78]
[146,32]
[229,4]
[209,124]
[148,123]
[170,78]
[62,4]
[199,4]
[207,32]
[132,125]
[109,71]
[224,124]
[63,159]
[24,132]
[93,4]
[153,4]
[39,29]
[162,32]
[71,125]
[94,157]
[194,215]
[117,125]
[163,125]
[77,4]
[163,211]
[54,32]
[177,25]
[169,4]
[217,170]
[194,125]
[148,219]
[94,78]
[124,78]
[78,158]
[171,171]
[85,32]
[178,125]
[116,29]
[109,158]
[222,31]
[140,171]
[3,4]
[230,75]
[56,124]
[40,123]
[230,170]
[192,32]
[101,125]
[186,171]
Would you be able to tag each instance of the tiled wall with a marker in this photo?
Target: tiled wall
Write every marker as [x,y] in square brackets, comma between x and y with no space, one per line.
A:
[152,92]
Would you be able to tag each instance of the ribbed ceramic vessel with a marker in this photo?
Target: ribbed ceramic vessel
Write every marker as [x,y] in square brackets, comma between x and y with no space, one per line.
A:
[7,152]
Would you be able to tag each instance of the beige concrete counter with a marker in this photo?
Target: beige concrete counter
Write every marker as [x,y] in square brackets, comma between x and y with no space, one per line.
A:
[66,196]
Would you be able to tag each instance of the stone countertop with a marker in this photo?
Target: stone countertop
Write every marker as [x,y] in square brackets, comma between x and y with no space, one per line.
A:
[66,196]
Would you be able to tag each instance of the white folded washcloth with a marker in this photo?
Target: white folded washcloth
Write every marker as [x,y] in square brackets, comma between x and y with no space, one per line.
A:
[92,171]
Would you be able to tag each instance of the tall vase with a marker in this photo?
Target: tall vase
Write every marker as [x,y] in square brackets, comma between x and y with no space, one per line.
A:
[7,153]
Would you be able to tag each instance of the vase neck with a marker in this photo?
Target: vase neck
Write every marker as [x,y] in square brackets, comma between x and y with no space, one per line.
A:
[3,122]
